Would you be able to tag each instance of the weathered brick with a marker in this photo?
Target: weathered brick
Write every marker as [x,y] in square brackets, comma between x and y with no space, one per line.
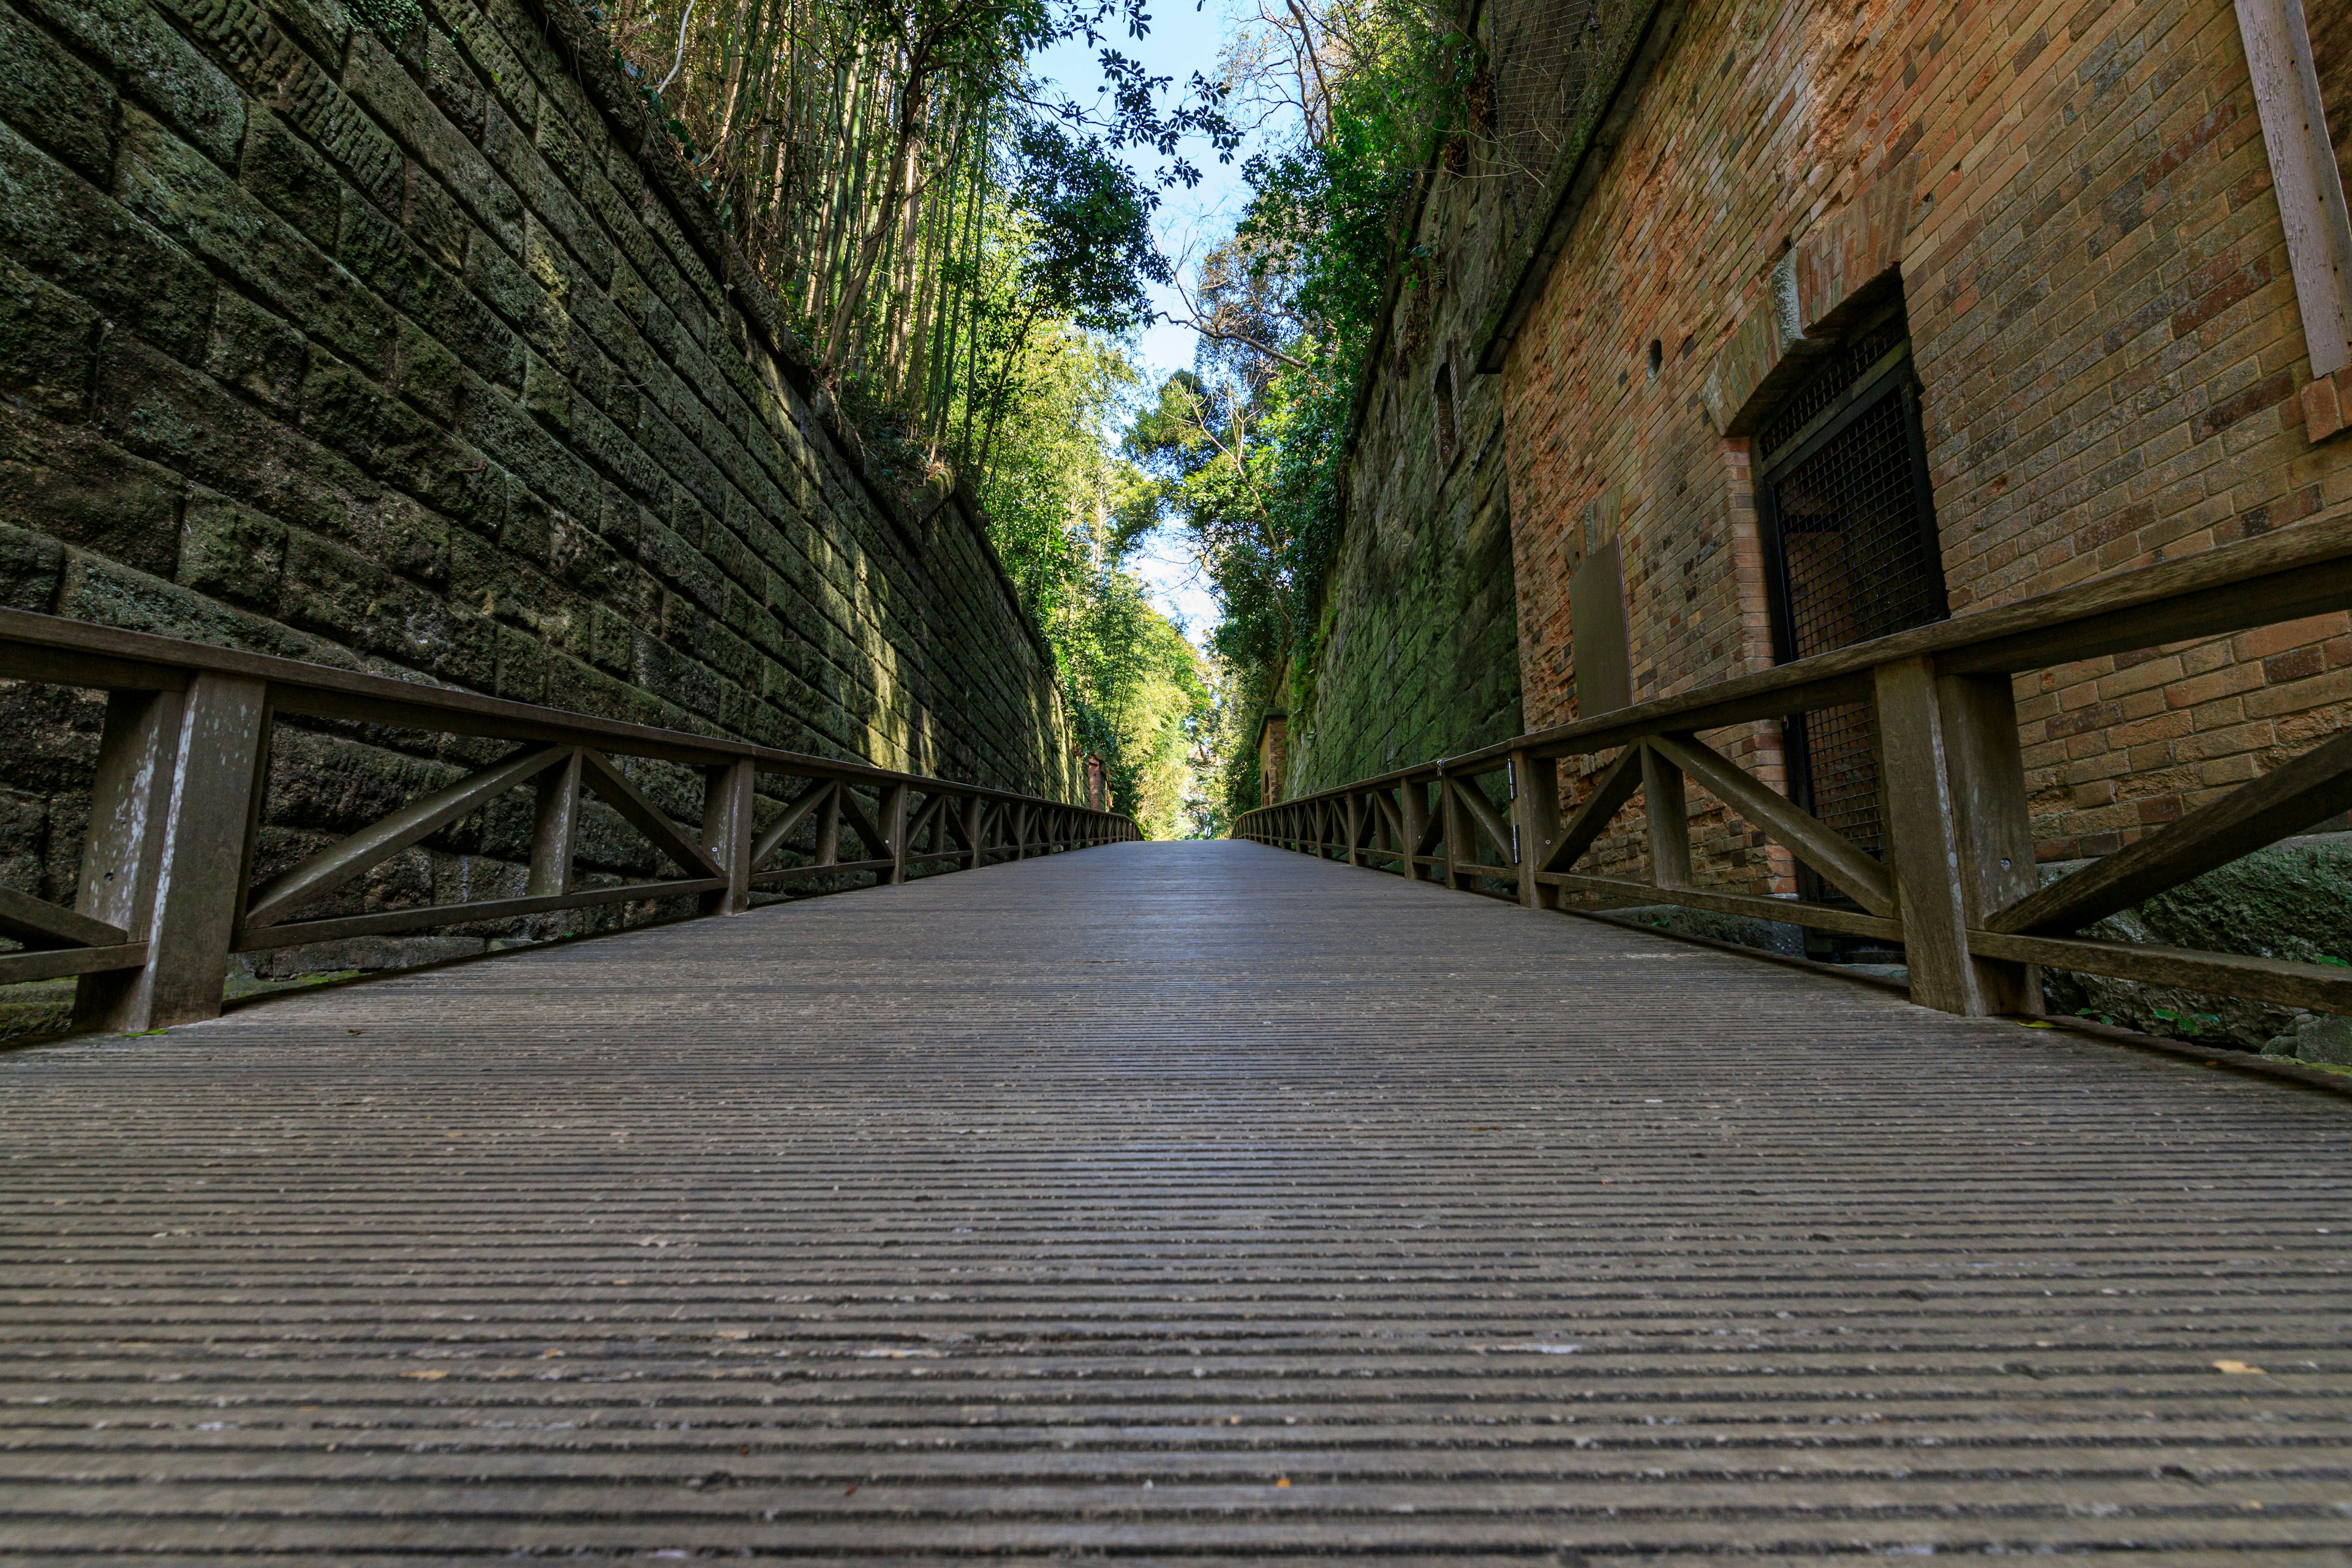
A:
[54,224]
[54,99]
[179,190]
[157,67]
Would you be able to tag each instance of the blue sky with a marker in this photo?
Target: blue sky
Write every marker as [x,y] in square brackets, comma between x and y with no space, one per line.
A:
[1183,40]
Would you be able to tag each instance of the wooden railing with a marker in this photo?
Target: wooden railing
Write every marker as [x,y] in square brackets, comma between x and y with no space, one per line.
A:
[1958,886]
[165,893]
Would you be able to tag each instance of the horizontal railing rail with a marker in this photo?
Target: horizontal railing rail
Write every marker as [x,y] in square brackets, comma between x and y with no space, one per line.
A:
[1958,886]
[167,889]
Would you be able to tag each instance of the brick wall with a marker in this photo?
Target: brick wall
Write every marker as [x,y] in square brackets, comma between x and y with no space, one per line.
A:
[2079,203]
[418,354]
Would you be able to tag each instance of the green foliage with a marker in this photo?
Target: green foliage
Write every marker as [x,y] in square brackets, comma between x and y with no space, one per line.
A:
[962,249]
[1244,452]
[387,18]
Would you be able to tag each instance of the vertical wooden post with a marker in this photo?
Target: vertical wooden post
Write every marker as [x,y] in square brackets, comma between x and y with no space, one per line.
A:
[893,808]
[727,832]
[1534,812]
[1356,808]
[1020,832]
[828,827]
[1412,801]
[974,810]
[554,819]
[127,804]
[1922,810]
[1461,833]
[1993,822]
[1669,818]
[209,809]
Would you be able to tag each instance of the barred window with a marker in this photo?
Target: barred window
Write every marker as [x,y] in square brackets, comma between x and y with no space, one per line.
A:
[1849,524]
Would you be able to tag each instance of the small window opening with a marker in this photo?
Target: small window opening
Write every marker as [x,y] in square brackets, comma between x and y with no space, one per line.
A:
[1657,358]
[1448,433]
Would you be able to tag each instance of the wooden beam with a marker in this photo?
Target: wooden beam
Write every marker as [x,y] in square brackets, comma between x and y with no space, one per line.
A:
[2290,797]
[1623,891]
[56,963]
[803,805]
[2320,987]
[1610,791]
[41,925]
[130,799]
[555,819]
[611,786]
[727,806]
[1666,813]
[214,799]
[424,917]
[361,852]
[1853,873]
[1535,820]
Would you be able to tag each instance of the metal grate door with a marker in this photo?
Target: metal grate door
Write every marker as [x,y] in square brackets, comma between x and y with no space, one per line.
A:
[1849,541]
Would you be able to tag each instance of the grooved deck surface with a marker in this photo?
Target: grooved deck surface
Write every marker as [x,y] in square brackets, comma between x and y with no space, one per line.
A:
[1070,1208]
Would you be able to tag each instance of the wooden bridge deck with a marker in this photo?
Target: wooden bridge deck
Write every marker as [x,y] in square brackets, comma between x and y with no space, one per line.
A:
[1161,1202]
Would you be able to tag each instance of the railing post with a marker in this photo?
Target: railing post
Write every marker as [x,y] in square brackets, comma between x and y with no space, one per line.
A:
[1934,858]
[893,826]
[554,819]
[1668,810]
[1412,804]
[726,832]
[215,756]
[974,809]
[1019,817]
[827,847]
[1993,822]
[127,804]
[1461,845]
[1355,812]
[1534,812]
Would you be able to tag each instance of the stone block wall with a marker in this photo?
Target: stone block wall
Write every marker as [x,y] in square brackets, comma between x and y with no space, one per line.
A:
[2079,204]
[419,353]
[1416,649]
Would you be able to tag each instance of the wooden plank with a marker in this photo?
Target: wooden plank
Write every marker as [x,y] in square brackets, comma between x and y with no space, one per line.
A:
[1992,824]
[1666,814]
[383,922]
[555,822]
[788,822]
[1853,873]
[894,831]
[1535,818]
[2279,576]
[2321,987]
[214,794]
[55,964]
[1230,1171]
[864,826]
[1610,791]
[39,924]
[1923,840]
[615,789]
[1625,890]
[2290,797]
[130,801]
[2305,179]
[361,852]
[1482,813]
[727,806]
[782,875]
